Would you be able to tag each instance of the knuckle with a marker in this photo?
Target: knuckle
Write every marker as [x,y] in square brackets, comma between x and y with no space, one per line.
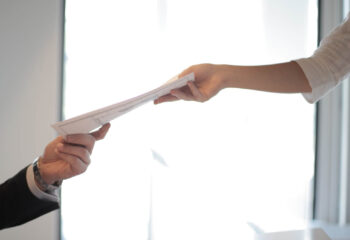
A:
[60,139]
[78,171]
[90,139]
[87,160]
[83,169]
[75,166]
[83,152]
[74,160]
[205,97]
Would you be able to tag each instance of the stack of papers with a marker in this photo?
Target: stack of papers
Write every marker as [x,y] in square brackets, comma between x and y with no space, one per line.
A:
[87,122]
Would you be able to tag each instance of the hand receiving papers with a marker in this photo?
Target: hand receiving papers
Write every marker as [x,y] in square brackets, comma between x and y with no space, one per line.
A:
[87,122]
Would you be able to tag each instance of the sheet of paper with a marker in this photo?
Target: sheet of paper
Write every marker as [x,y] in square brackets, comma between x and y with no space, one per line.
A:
[87,122]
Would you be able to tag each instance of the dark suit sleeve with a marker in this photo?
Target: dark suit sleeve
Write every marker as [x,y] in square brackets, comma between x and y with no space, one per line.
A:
[17,203]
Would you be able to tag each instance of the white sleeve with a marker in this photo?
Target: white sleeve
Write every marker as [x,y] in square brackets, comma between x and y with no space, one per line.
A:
[53,196]
[330,63]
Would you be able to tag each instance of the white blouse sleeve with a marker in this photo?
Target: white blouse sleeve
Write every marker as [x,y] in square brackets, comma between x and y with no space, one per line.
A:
[330,63]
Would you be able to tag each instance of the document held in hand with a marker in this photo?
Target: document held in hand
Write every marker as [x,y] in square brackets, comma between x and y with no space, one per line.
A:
[87,122]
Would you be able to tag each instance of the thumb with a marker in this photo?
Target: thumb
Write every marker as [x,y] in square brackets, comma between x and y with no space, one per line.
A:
[101,133]
[186,72]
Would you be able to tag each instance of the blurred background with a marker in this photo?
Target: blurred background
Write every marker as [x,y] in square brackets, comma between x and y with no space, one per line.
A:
[244,162]
[243,157]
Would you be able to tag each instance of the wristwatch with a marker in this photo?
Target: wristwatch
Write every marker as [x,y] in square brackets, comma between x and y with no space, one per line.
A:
[37,176]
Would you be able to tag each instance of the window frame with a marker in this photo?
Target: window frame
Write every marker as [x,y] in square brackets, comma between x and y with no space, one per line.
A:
[332,184]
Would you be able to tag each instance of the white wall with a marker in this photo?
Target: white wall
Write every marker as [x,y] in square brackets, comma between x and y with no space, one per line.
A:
[30,70]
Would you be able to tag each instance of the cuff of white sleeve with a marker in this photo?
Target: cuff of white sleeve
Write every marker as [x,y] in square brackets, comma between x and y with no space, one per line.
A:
[320,78]
[37,192]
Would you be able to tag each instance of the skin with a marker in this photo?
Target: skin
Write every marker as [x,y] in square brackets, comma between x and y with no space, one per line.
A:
[210,79]
[66,158]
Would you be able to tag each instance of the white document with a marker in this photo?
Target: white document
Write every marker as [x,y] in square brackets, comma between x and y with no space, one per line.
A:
[87,122]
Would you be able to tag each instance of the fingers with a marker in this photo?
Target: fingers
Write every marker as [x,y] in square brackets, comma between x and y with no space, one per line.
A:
[77,151]
[63,159]
[182,95]
[83,140]
[101,133]
[76,166]
[189,93]
[88,140]
[165,98]
[198,96]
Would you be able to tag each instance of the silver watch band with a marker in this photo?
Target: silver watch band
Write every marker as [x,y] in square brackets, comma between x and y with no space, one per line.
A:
[41,182]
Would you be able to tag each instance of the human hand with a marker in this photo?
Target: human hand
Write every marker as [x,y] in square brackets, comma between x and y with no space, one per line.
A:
[209,80]
[66,158]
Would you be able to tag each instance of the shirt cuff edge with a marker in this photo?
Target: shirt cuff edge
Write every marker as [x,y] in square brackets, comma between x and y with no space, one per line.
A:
[35,190]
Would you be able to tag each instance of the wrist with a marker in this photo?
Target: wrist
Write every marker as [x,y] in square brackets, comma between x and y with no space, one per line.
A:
[43,172]
[42,183]
[226,76]
[39,185]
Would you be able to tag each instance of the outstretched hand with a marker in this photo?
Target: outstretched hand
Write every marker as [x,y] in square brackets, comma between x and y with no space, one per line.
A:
[208,82]
[66,158]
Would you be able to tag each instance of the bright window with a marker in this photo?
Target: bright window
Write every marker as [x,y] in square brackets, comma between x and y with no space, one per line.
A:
[242,157]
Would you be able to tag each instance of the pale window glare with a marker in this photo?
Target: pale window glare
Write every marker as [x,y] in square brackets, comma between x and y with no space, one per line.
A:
[242,157]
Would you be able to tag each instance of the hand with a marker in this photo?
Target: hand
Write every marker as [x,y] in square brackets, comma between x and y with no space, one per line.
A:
[208,82]
[64,159]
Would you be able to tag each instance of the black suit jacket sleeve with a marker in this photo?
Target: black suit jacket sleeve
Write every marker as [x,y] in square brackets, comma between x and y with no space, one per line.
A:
[17,203]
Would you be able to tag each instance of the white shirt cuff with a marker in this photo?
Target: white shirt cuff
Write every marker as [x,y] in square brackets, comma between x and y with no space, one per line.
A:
[319,76]
[37,192]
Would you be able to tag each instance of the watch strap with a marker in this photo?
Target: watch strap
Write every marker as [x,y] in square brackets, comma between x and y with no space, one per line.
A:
[37,176]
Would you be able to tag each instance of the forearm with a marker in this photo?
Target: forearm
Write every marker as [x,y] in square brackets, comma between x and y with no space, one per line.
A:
[18,204]
[210,79]
[284,78]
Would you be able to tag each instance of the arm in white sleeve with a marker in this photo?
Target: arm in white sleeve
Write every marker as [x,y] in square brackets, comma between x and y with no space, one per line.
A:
[37,192]
[330,63]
